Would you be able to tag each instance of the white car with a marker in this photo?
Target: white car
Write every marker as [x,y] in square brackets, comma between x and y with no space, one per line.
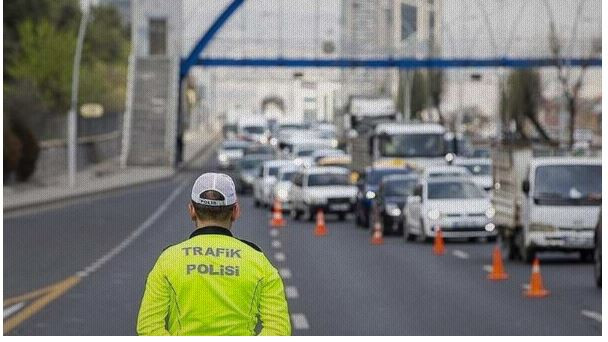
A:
[480,169]
[322,153]
[282,187]
[231,152]
[445,171]
[254,128]
[455,204]
[265,180]
[322,188]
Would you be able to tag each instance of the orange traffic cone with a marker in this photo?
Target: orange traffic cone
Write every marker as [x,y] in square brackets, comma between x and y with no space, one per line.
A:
[498,271]
[320,229]
[536,289]
[377,237]
[438,247]
[277,220]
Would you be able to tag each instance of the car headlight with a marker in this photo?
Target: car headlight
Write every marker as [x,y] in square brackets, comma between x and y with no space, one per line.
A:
[370,195]
[248,178]
[433,214]
[490,212]
[541,227]
[334,143]
[282,194]
[222,158]
[392,209]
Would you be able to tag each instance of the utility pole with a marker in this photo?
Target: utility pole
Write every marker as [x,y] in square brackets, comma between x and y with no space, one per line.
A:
[72,114]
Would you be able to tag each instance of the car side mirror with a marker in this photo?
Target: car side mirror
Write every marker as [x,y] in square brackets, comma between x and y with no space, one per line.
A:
[525,187]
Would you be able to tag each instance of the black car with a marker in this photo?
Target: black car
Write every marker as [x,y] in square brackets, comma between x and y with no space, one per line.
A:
[390,200]
[367,188]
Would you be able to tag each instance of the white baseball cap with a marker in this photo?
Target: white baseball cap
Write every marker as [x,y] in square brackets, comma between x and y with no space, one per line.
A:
[219,182]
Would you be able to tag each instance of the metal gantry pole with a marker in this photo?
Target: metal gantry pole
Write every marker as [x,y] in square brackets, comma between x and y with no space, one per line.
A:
[72,114]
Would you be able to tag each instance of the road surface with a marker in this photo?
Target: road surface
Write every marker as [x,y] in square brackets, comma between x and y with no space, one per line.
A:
[79,268]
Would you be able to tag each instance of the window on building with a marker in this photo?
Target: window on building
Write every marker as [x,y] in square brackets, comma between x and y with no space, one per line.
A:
[409,16]
[158,36]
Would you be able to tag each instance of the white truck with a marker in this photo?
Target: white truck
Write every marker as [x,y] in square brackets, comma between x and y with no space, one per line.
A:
[545,203]
[416,145]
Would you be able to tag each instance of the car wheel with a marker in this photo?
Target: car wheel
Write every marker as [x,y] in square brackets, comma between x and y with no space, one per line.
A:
[309,214]
[295,214]
[358,221]
[407,235]
[586,256]
[527,254]
[597,267]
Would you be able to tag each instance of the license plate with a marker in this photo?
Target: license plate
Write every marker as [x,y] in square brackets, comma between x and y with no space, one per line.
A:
[339,207]
[464,224]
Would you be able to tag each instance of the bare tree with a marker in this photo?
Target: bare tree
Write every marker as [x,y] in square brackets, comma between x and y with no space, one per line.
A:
[571,84]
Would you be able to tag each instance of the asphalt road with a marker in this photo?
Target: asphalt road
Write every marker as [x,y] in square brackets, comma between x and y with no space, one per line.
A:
[336,285]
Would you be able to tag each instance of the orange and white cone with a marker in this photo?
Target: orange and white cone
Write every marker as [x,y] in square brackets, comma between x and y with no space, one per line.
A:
[320,228]
[377,236]
[498,270]
[277,220]
[438,246]
[536,289]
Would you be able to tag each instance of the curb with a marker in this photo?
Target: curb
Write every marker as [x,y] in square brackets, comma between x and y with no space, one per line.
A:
[9,208]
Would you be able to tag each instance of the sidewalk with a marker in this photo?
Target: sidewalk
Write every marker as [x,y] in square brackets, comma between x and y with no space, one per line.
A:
[103,177]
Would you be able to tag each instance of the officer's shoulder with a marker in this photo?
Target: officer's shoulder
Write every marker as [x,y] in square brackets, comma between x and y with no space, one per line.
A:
[251,244]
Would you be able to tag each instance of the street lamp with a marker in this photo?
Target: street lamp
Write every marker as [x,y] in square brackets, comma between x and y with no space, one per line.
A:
[72,114]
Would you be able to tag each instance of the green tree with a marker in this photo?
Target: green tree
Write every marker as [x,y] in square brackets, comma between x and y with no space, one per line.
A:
[521,101]
[45,59]
[419,94]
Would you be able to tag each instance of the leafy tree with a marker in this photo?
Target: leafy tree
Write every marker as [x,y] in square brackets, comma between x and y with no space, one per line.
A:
[45,59]
[521,100]
[419,94]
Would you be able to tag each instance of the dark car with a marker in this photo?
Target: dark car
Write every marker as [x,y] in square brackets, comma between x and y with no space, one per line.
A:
[598,253]
[247,170]
[391,198]
[368,186]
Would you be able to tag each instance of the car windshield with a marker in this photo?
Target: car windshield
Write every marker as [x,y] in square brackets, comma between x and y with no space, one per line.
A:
[305,153]
[327,179]
[479,169]
[568,185]
[446,174]
[286,176]
[402,187]
[273,171]
[412,145]
[260,149]
[481,153]
[374,177]
[248,164]
[254,129]
[231,146]
[454,190]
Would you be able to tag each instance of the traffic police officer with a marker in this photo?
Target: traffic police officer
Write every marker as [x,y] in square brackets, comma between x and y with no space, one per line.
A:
[213,283]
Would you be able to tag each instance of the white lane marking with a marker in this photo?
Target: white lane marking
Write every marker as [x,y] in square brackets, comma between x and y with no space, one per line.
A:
[592,314]
[487,268]
[460,254]
[279,256]
[94,266]
[299,321]
[276,244]
[12,309]
[285,273]
[274,232]
[291,292]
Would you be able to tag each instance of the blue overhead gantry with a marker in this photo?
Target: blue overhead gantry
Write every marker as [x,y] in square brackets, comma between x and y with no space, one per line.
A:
[195,59]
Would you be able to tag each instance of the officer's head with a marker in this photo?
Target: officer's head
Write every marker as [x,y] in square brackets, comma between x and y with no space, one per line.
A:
[213,200]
